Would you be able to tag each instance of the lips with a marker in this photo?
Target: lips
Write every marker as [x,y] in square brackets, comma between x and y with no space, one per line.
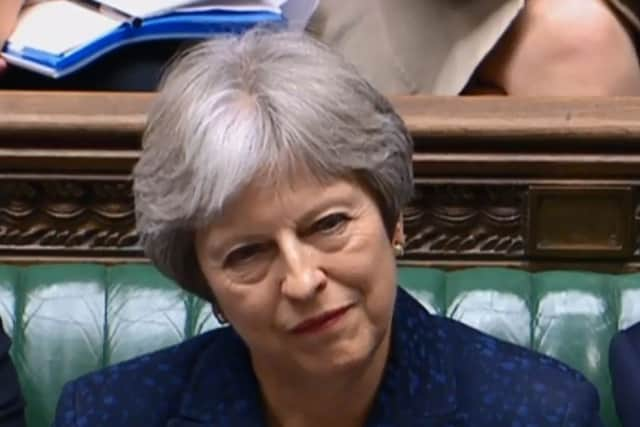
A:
[318,323]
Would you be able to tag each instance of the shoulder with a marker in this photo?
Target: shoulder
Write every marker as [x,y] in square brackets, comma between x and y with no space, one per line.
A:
[141,391]
[624,363]
[5,342]
[627,340]
[497,373]
[490,381]
[624,351]
[11,402]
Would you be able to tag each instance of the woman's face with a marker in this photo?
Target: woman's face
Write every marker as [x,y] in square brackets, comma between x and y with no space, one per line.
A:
[305,273]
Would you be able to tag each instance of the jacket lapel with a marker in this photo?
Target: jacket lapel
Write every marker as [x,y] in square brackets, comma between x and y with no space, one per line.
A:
[222,390]
[419,384]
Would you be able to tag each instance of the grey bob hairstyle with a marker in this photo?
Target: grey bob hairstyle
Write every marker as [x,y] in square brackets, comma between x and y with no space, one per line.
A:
[258,106]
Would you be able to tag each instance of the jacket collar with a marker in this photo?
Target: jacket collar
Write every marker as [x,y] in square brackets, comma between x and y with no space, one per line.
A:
[418,383]
[222,390]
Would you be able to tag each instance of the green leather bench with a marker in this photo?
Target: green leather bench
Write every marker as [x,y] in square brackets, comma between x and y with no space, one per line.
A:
[66,320]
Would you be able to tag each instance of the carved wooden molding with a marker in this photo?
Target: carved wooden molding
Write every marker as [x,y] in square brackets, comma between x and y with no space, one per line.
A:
[466,220]
[96,217]
[70,215]
[93,217]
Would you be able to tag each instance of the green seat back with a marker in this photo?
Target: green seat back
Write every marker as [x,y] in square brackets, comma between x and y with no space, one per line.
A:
[67,320]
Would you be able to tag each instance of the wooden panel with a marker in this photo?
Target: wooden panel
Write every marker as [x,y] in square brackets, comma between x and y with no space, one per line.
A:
[580,222]
[65,188]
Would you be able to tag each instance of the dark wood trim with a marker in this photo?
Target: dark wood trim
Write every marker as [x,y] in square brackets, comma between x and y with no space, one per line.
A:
[476,162]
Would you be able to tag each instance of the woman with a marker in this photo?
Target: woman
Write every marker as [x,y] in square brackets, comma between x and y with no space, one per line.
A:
[271,183]
[442,47]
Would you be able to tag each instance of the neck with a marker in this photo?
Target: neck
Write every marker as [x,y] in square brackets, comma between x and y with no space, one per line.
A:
[341,400]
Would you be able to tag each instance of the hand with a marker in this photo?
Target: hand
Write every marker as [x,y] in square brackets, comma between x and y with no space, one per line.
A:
[8,15]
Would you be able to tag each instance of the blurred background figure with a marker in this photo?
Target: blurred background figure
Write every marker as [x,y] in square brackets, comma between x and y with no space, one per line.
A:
[11,403]
[441,47]
[624,361]
[513,47]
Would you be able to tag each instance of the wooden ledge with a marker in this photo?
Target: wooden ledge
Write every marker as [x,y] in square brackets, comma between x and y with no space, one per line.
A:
[72,117]
[506,118]
[435,122]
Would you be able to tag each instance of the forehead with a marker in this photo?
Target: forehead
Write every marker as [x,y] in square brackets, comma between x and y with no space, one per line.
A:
[290,198]
[265,204]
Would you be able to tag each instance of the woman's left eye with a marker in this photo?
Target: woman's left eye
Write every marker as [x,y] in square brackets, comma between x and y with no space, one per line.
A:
[330,223]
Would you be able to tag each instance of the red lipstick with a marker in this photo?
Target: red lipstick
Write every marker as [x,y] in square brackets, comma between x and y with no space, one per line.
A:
[320,322]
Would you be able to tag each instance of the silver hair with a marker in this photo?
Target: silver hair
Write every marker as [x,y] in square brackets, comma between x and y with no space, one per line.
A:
[259,104]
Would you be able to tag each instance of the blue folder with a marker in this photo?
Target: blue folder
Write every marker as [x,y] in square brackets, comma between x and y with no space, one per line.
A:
[172,26]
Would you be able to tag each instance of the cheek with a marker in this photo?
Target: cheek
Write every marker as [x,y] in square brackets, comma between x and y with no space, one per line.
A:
[369,268]
[245,307]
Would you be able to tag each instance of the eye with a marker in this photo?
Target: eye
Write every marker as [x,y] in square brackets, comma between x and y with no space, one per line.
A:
[329,224]
[243,254]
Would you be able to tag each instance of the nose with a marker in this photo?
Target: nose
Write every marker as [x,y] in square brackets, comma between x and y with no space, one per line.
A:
[302,276]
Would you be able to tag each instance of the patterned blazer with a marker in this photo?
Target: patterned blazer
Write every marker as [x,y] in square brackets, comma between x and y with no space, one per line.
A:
[439,373]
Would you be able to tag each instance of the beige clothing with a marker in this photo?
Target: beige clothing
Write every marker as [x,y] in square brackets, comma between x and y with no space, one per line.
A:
[421,46]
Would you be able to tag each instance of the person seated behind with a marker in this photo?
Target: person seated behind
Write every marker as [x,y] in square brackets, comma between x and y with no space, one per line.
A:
[512,47]
[624,364]
[11,403]
[441,47]
[271,183]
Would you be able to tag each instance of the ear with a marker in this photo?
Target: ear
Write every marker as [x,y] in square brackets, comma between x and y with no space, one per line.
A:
[398,233]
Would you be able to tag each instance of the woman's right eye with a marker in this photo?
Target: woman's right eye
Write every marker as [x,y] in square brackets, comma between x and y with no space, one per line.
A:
[243,254]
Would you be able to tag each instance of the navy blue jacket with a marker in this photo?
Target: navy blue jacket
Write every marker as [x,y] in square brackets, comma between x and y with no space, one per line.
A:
[11,403]
[624,361]
[439,373]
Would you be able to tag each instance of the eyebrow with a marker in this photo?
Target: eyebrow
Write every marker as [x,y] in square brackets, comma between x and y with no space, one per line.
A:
[218,247]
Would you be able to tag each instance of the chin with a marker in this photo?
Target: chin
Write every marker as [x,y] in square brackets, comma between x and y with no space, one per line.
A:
[348,355]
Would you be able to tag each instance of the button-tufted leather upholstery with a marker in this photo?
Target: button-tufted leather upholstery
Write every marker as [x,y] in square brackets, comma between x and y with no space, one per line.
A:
[66,320]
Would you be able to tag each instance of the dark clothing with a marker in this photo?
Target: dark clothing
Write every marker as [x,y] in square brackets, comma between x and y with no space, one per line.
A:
[11,403]
[137,67]
[624,361]
[439,373]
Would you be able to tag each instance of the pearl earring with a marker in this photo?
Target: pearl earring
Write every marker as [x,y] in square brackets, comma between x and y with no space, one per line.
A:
[398,248]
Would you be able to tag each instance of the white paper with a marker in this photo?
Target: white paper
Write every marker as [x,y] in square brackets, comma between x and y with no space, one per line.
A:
[272,6]
[144,8]
[57,26]
[147,8]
